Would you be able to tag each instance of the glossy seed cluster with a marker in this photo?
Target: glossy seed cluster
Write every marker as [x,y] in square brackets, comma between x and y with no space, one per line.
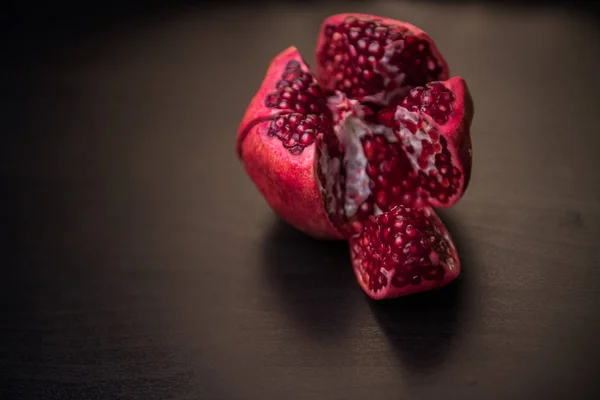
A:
[433,99]
[399,248]
[296,131]
[297,91]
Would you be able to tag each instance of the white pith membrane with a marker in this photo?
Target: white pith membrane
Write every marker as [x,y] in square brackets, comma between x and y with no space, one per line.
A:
[349,129]
[391,75]
[330,168]
[415,140]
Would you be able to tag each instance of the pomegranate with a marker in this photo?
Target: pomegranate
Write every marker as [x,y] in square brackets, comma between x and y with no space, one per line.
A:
[379,126]
[403,251]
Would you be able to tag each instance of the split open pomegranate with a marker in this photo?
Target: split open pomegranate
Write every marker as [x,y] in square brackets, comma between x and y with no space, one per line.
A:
[379,125]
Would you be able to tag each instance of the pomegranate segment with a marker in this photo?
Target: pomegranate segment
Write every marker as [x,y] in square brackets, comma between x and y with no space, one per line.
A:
[281,144]
[370,58]
[403,251]
[433,125]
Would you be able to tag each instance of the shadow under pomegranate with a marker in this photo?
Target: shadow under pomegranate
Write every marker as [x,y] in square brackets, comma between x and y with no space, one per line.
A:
[423,328]
[311,279]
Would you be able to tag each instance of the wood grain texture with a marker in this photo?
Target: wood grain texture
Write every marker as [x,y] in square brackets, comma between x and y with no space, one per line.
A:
[139,262]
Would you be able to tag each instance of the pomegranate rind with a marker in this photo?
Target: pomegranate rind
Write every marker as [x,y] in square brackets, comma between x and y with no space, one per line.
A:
[289,183]
[452,267]
[458,133]
[328,82]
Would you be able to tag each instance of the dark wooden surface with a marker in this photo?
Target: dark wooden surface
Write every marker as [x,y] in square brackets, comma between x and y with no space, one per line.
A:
[139,262]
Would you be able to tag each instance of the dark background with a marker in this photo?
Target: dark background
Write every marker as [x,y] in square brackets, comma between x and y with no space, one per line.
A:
[139,262]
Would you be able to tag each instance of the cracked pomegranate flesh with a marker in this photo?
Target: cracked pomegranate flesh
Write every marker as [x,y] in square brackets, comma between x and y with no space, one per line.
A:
[403,251]
[379,124]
